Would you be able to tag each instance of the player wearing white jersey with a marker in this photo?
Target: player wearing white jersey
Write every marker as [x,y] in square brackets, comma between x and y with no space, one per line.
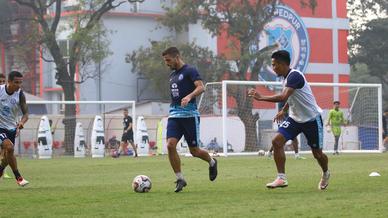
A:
[12,102]
[304,117]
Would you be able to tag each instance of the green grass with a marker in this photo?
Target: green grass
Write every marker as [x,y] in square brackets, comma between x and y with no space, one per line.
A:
[68,187]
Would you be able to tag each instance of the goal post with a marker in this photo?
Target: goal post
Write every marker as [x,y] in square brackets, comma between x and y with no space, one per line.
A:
[244,126]
[110,113]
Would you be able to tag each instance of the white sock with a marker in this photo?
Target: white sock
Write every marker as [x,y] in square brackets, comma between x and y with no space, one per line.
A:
[296,154]
[212,162]
[179,175]
[326,173]
[282,176]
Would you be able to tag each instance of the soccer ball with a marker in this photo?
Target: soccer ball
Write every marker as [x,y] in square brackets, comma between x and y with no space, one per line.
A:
[261,153]
[141,183]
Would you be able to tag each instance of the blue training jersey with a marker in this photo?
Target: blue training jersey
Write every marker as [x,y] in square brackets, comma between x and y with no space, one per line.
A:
[181,85]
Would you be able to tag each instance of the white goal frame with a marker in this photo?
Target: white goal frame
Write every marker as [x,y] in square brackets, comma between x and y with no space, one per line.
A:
[224,111]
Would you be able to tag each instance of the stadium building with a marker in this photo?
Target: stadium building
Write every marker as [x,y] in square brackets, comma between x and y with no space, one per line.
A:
[316,39]
[133,25]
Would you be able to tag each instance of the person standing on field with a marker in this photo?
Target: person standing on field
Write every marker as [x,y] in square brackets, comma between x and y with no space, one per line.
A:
[304,117]
[12,102]
[183,120]
[335,121]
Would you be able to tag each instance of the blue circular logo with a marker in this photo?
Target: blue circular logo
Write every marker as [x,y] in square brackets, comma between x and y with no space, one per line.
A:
[288,32]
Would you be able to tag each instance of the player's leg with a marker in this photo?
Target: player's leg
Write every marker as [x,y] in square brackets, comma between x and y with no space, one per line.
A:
[122,144]
[8,147]
[336,133]
[134,147]
[313,131]
[191,133]
[174,133]
[336,138]
[323,162]
[295,146]
[287,130]
[269,152]
[3,162]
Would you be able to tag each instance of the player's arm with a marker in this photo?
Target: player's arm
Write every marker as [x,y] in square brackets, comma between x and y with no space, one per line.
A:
[24,109]
[344,122]
[129,126]
[329,118]
[279,117]
[283,96]
[199,89]
[285,107]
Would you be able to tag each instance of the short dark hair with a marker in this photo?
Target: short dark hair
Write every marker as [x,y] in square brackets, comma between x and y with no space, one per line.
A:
[282,56]
[125,109]
[13,74]
[173,51]
[2,75]
[336,102]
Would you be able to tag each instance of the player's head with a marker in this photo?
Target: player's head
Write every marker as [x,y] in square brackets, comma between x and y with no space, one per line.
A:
[172,58]
[2,79]
[125,111]
[281,62]
[336,104]
[15,80]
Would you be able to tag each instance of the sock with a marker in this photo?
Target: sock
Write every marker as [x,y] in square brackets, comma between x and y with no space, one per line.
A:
[282,176]
[179,175]
[17,174]
[326,173]
[212,162]
[296,154]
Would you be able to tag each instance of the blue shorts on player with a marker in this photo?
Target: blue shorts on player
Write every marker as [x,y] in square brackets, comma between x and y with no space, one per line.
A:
[188,127]
[313,130]
[7,134]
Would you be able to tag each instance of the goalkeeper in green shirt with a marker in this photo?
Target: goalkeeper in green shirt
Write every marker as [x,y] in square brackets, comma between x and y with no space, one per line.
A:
[336,120]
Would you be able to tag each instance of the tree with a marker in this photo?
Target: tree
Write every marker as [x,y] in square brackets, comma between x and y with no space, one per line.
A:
[371,55]
[243,21]
[5,13]
[148,63]
[87,34]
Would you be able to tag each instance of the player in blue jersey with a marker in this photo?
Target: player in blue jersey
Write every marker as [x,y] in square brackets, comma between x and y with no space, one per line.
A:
[183,120]
[12,102]
[304,117]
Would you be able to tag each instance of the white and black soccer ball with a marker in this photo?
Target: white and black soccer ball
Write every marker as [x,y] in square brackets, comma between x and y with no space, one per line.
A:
[261,153]
[141,183]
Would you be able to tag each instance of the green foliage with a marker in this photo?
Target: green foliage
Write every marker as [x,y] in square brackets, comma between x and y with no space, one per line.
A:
[372,48]
[148,63]
[86,187]
[5,14]
[369,59]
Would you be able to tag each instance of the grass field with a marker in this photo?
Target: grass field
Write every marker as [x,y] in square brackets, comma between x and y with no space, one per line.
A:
[68,187]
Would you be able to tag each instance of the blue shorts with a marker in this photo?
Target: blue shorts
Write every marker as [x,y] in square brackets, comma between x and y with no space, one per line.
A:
[313,130]
[7,134]
[188,127]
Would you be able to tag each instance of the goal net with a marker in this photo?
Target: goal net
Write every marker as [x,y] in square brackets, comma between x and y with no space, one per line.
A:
[79,128]
[239,125]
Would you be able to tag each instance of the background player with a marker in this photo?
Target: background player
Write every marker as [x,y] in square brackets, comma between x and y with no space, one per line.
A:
[127,135]
[336,120]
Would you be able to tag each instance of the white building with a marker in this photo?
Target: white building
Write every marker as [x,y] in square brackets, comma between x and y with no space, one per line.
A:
[132,25]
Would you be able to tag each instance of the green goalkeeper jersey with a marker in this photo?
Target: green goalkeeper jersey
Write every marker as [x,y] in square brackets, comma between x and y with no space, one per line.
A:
[336,118]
